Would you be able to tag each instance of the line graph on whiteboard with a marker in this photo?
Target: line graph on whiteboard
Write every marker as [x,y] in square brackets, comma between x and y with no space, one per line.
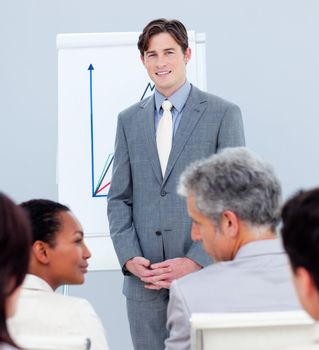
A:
[101,176]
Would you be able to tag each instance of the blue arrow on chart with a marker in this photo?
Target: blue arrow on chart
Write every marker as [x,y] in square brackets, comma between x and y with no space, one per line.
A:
[102,185]
[96,190]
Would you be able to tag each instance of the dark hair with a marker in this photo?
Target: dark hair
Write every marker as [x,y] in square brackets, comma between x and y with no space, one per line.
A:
[15,242]
[300,231]
[174,27]
[43,214]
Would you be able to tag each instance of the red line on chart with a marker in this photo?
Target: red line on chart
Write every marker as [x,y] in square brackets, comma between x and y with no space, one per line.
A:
[102,188]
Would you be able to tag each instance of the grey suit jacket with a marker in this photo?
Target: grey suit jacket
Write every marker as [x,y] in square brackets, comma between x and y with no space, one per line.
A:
[258,279]
[146,216]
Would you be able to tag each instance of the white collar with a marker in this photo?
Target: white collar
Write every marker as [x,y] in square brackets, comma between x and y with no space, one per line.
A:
[36,283]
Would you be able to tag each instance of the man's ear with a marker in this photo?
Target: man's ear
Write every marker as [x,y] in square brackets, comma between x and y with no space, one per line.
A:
[188,54]
[307,291]
[304,282]
[40,251]
[142,59]
[229,223]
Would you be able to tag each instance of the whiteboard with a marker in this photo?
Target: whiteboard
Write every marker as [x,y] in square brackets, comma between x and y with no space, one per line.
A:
[100,74]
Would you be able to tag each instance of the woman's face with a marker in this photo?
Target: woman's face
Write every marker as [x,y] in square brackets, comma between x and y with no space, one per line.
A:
[11,302]
[68,257]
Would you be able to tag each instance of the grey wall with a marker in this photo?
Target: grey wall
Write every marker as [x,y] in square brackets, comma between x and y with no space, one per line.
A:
[263,55]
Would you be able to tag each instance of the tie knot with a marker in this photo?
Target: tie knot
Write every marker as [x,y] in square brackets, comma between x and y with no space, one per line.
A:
[167,105]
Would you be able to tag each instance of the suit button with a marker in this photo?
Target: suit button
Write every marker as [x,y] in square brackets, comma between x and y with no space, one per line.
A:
[163,193]
[158,233]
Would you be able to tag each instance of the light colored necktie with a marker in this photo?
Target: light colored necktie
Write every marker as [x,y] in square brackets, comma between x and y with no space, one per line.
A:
[164,135]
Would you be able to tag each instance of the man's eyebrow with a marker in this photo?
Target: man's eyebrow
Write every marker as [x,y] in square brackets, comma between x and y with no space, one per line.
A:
[154,51]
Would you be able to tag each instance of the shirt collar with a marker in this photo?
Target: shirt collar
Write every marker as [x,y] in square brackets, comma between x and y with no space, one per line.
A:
[178,98]
[265,246]
[36,283]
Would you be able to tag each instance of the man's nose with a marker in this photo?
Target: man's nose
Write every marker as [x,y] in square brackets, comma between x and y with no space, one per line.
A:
[161,61]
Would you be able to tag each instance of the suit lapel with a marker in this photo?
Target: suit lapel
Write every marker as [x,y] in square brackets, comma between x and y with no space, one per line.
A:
[194,109]
[147,110]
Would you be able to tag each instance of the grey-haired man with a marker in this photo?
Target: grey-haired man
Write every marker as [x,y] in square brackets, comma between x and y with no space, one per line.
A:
[234,201]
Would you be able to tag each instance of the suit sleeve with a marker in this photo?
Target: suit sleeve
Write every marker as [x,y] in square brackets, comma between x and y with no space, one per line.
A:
[120,201]
[231,131]
[178,321]
[197,253]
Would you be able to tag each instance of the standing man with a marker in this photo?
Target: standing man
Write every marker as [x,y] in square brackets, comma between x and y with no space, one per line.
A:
[156,139]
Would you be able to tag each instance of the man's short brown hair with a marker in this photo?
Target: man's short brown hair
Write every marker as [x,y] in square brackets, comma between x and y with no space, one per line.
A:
[174,27]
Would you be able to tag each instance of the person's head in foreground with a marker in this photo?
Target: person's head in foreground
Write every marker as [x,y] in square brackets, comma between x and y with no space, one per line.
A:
[164,50]
[300,234]
[233,198]
[15,241]
[59,254]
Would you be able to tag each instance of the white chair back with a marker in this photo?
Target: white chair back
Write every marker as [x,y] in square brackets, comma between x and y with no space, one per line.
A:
[56,343]
[250,331]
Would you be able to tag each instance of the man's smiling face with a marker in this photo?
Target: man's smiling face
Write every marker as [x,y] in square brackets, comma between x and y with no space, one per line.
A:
[165,63]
